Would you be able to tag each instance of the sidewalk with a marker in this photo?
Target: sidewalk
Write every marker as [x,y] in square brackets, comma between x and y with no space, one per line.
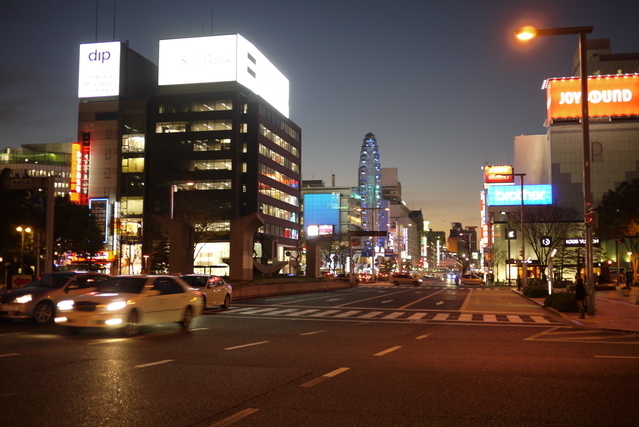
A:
[613,311]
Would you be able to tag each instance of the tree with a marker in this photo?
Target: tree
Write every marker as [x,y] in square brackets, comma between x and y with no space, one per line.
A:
[618,214]
[75,229]
[335,252]
[160,258]
[551,221]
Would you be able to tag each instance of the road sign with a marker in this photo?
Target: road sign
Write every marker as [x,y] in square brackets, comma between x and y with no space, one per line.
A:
[20,281]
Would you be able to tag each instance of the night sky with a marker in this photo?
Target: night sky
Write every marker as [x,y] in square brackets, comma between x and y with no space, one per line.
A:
[444,86]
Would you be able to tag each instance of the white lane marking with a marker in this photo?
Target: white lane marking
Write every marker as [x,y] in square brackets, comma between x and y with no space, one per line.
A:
[417,316]
[421,337]
[465,317]
[235,418]
[278,312]
[313,333]
[9,354]
[334,299]
[324,377]
[246,345]
[618,357]
[381,353]
[387,301]
[393,315]
[160,362]
[490,318]
[369,315]
[325,313]
[348,313]
[439,302]
[515,319]
[539,319]
[13,333]
[197,329]
[441,316]
[301,313]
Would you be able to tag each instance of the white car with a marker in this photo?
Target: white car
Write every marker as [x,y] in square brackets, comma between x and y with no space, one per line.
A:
[405,279]
[128,302]
[216,291]
[471,279]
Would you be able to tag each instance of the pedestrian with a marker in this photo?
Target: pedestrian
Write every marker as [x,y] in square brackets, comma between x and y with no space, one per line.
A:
[580,296]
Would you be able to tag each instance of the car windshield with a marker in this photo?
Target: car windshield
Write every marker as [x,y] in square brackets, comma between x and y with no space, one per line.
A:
[53,281]
[124,285]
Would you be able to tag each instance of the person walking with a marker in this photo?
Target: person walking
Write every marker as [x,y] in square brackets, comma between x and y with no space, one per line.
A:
[580,296]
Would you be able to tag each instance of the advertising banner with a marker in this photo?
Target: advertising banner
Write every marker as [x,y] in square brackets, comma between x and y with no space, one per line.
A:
[509,195]
[99,73]
[608,96]
[499,174]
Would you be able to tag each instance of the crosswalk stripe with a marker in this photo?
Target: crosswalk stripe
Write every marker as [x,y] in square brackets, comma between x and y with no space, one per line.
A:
[441,316]
[303,312]
[348,313]
[539,319]
[259,310]
[280,311]
[393,315]
[515,319]
[465,317]
[325,313]
[371,314]
[490,318]
[417,316]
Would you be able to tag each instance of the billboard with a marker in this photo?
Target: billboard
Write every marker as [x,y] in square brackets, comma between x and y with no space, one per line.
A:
[509,195]
[99,71]
[228,58]
[499,174]
[608,96]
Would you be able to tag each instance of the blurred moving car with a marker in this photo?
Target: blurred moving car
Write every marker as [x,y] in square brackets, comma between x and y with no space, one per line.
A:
[345,278]
[128,302]
[471,279]
[404,279]
[37,301]
[215,290]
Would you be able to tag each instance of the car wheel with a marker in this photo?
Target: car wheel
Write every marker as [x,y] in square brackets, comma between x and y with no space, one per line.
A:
[396,283]
[416,283]
[131,328]
[43,312]
[227,301]
[188,318]
[482,284]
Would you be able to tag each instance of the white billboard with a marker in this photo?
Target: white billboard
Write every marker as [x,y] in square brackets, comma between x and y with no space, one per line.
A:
[99,70]
[225,58]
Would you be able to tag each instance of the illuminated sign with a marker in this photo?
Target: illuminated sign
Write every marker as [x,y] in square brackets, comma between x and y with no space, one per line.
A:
[227,58]
[99,70]
[320,230]
[79,179]
[608,96]
[508,195]
[499,174]
[579,242]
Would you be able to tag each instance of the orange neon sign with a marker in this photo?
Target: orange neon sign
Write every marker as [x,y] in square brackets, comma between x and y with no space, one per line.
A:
[502,174]
[608,96]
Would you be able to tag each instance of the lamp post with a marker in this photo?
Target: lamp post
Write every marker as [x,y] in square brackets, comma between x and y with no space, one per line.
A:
[528,33]
[22,230]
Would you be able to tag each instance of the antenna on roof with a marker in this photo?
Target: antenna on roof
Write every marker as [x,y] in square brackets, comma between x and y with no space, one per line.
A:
[96,20]
[114,3]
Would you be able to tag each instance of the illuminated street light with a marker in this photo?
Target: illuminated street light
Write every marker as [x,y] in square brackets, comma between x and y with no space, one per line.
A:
[527,33]
[20,229]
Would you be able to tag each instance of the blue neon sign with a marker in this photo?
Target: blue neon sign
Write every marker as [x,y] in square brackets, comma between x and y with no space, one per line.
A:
[509,195]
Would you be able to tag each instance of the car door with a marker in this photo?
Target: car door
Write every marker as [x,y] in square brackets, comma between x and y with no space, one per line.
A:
[172,299]
[79,285]
[215,291]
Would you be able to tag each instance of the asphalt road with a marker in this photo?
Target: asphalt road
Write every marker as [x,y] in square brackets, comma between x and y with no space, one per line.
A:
[433,355]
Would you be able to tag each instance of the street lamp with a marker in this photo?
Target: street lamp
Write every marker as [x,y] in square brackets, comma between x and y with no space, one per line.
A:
[22,230]
[528,33]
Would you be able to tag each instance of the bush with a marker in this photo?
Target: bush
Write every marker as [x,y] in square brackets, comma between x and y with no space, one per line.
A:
[563,302]
[535,291]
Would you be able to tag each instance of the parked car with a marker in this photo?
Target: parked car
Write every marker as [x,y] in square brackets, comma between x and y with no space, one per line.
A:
[215,290]
[128,302]
[345,278]
[471,279]
[37,301]
[405,279]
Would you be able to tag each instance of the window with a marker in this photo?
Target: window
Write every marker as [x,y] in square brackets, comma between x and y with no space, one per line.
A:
[217,164]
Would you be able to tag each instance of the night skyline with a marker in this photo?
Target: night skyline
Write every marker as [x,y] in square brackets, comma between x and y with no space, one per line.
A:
[445,88]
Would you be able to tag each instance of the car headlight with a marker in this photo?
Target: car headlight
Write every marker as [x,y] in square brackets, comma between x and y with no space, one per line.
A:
[66,304]
[118,305]
[23,299]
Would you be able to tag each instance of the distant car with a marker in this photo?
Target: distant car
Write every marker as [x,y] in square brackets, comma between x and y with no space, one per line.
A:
[37,301]
[128,302]
[405,279]
[345,278]
[471,279]
[215,290]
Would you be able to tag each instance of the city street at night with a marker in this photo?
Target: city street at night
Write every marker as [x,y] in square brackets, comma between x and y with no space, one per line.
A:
[374,355]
